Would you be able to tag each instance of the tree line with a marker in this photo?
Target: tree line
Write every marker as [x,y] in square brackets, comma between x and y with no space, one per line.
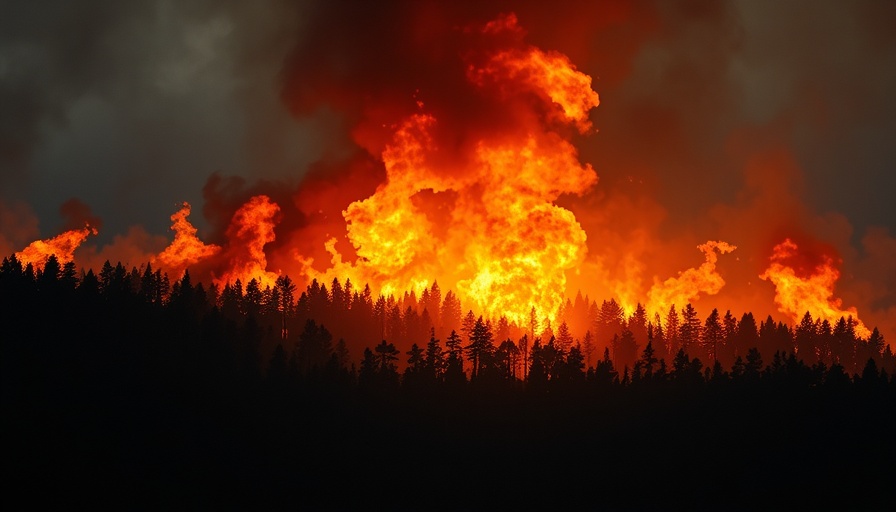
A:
[429,338]
[125,388]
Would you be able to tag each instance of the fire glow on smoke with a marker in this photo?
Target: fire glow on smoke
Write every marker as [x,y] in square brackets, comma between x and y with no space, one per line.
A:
[479,217]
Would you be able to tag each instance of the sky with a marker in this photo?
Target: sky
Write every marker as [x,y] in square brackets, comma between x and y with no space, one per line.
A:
[741,120]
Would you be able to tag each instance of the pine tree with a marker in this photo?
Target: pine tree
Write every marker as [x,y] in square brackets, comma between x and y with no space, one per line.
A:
[673,325]
[564,337]
[416,364]
[507,356]
[454,345]
[637,323]
[713,335]
[588,347]
[481,345]
[450,315]
[648,360]
[805,339]
[435,359]
[689,331]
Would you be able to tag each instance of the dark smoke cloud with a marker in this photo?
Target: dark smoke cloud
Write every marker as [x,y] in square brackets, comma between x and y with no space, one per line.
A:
[77,215]
[131,105]
[18,226]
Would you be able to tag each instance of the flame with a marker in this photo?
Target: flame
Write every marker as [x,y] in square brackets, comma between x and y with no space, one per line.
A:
[472,207]
[795,294]
[62,245]
[186,249]
[250,229]
[689,284]
[522,244]
[548,73]
[507,247]
[392,238]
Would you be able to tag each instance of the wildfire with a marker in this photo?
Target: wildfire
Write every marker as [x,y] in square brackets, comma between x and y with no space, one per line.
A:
[62,245]
[186,249]
[795,294]
[507,245]
[691,283]
[469,201]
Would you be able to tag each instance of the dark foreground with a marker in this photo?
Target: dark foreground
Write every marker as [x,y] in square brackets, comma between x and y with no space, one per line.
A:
[83,444]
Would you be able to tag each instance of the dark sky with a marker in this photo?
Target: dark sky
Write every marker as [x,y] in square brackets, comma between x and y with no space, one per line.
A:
[709,110]
[129,106]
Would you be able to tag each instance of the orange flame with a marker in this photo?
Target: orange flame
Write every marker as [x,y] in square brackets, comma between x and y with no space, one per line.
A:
[507,247]
[186,249]
[250,229]
[522,244]
[795,295]
[63,246]
[689,284]
[393,239]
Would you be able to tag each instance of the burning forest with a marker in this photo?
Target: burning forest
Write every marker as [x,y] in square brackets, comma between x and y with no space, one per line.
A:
[476,184]
[521,201]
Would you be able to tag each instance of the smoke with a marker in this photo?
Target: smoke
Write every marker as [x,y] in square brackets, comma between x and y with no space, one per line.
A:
[78,215]
[130,106]
[133,249]
[746,122]
[18,226]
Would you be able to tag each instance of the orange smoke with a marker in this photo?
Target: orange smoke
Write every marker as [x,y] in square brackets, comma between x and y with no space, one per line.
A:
[62,246]
[186,249]
[506,246]
[796,294]
[689,284]
[251,228]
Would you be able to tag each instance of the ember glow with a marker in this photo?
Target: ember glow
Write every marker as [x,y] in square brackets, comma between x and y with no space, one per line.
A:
[797,293]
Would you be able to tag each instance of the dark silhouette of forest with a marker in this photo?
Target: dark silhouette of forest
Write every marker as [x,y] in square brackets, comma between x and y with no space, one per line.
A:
[125,390]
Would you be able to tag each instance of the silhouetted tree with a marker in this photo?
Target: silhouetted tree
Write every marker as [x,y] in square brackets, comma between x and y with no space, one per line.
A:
[434,363]
[588,347]
[646,363]
[689,332]
[713,335]
[564,337]
[625,349]
[315,347]
[450,315]
[481,345]
[413,373]
[605,374]
[637,324]
[673,326]
[805,338]
[753,365]
[507,357]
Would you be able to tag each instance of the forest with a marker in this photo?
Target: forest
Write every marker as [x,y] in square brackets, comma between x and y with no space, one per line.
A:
[125,389]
